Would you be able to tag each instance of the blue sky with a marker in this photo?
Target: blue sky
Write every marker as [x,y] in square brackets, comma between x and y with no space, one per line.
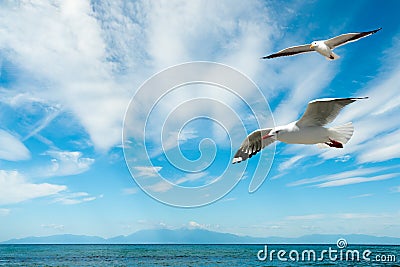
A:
[68,70]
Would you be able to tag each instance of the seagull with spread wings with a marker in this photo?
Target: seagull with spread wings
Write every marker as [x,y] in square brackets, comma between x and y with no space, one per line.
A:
[324,47]
[309,129]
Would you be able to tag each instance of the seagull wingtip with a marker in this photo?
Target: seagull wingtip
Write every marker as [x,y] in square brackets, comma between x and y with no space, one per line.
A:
[377,30]
[237,160]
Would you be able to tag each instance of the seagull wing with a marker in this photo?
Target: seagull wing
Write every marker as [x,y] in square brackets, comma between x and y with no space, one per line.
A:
[252,145]
[323,111]
[347,38]
[291,51]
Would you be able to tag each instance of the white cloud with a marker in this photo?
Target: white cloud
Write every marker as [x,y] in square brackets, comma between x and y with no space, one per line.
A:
[289,163]
[147,171]
[4,212]
[228,199]
[351,216]
[64,163]
[14,188]
[305,217]
[345,215]
[162,186]
[344,158]
[357,180]
[75,198]
[94,69]
[11,148]
[362,195]
[66,36]
[190,177]
[52,114]
[130,191]
[396,189]
[381,148]
[340,176]
[195,225]
[306,86]
[58,227]
[376,126]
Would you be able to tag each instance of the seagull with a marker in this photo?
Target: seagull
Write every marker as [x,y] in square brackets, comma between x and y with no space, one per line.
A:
[309,129]
[324,47]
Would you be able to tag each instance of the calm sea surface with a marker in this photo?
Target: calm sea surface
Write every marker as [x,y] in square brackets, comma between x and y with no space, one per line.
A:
[195,255]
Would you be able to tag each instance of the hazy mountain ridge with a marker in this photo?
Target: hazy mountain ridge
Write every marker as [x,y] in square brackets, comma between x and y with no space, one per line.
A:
[200,236]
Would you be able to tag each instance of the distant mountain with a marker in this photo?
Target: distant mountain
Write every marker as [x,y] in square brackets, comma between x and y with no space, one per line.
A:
[58,239]
[184,236]
[201,236]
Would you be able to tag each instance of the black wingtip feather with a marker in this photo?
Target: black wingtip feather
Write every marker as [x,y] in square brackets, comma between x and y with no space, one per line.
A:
[266,57]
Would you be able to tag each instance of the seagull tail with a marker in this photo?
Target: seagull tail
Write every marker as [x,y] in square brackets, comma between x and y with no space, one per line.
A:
[342,133]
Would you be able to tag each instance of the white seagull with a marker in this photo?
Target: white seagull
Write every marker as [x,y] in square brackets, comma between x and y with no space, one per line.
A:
[323,47]
[309,129]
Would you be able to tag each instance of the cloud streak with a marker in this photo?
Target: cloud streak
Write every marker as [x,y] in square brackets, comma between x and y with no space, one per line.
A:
[14,188]
[347,177]
[75,198]
[64,163]
[11,148]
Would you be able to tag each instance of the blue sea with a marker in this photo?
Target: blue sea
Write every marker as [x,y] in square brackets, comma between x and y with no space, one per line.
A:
[197,255]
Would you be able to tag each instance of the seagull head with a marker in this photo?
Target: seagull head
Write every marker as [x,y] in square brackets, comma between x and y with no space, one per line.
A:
[274,133]
[314,44]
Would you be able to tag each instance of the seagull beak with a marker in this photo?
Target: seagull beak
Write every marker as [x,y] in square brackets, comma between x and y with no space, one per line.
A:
[312,46]
[266,136]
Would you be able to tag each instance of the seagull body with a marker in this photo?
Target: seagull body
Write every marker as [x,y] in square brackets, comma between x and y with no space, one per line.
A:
[293,134]
[324,47]
[309,129]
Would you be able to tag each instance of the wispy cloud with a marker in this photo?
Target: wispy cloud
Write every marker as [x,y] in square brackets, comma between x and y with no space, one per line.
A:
[191,177]
[344,158]
[376,128]
[53,113]
[362,195]
[355,216]
[58,227]
[306,86]
[357,180]
[195,225]
[4,212]
[305,217]
[345,216]
[14,188]
[67,37]
[289,163]
[162,186]
[130,191]
[75,198]
[65,163]
[88,45]
[11,148]
[396,189]
[357,173]
[147,171]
